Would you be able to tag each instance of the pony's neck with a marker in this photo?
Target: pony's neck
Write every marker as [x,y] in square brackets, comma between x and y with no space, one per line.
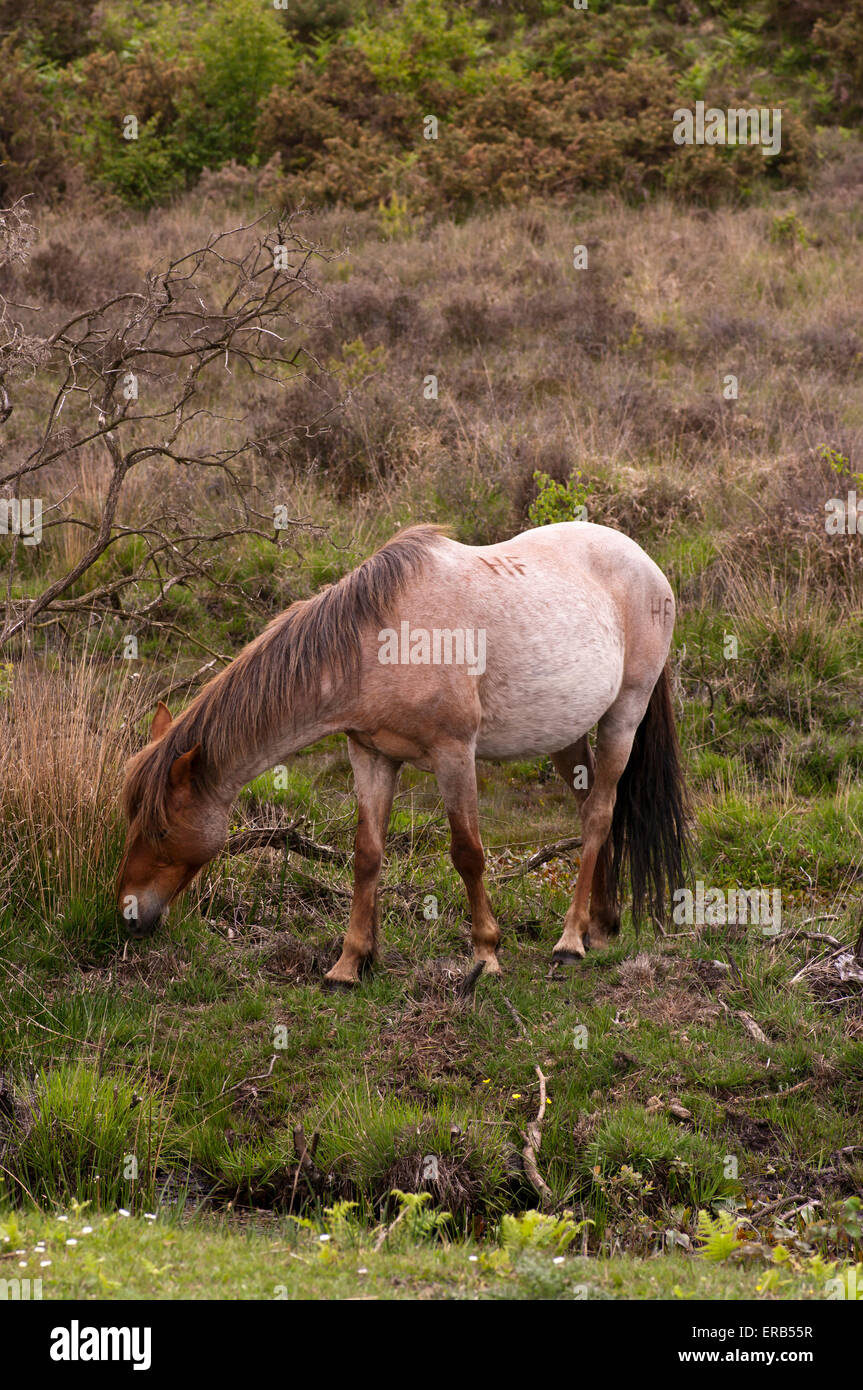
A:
[298,733]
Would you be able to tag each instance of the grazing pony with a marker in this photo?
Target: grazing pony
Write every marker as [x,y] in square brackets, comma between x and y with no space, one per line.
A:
[436,654]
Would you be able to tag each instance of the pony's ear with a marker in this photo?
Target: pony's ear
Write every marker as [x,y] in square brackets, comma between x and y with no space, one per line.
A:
[161,720]
[183,767]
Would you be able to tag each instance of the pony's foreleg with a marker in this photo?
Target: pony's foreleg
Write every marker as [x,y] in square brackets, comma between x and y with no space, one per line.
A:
[375,777]
[455,769]
[577,766]
[615,735]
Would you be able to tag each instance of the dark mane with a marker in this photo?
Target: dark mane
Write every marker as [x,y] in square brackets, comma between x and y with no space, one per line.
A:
[244,705]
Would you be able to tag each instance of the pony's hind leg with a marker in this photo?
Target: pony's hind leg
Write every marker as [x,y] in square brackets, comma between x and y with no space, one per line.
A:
[455,769]
[375,777]
[615,735]
[577,766]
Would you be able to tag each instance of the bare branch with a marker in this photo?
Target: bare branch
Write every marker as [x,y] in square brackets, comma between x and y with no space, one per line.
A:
[140,376]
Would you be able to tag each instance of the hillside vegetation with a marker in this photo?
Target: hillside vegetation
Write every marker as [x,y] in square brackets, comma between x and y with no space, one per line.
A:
[332,96]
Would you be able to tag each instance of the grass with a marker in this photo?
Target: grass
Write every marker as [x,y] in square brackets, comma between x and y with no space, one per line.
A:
[201,1054]
[222,1027]
[80,1256]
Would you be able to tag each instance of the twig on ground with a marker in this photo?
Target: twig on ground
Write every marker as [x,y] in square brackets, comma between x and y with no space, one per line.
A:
[514,1015]
[305,1162]
[736,975]
[774,1206]
[769,1095]
[532,1139]
[284,837]
[542,856]
[796,933]
[753,1029]
[261,1076]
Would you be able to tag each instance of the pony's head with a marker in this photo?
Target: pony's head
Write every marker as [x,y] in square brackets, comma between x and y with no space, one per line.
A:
[175,828]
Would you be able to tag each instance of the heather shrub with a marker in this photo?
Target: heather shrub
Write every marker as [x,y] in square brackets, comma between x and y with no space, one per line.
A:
[840,38]
[196,99]
[58,32]
[549,136]
[606,39]
[33,149]
[330,108]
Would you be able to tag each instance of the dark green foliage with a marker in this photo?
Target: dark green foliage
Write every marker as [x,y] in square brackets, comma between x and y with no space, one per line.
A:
[537,100]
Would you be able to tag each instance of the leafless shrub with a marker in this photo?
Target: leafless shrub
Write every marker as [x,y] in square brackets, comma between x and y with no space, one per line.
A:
[134,388]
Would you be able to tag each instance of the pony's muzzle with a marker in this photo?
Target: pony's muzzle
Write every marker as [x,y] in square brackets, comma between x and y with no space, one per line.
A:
[141,918]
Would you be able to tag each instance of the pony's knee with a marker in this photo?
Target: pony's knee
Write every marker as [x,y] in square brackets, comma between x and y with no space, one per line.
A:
[596,817]
[468,856]
[368,858]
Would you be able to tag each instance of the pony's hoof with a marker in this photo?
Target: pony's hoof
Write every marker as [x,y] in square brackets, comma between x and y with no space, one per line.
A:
[340,981]
[597,941]
[567,957]
[492,965]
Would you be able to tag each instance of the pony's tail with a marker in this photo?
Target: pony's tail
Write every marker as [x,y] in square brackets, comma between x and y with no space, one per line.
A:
[649,835]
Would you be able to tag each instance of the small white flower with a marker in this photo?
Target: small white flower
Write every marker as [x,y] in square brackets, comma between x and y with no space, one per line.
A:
[473,1259]
[86,1230]
[122,1212]
[72,1242]
[149,1216]
[362,1271]
[22,1264]
[43,1264]
[558,1260]
[324,1237]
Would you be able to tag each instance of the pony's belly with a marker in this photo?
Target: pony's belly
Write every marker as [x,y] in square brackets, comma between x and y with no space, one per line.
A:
[522,740]
[529,719]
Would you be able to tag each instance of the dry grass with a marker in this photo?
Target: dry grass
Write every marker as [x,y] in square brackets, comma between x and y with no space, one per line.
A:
[64,734]
[617,371]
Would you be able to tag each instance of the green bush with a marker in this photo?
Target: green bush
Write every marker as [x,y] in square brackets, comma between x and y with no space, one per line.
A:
[339,94]
[144,171]
[308,20]
[196,99]
[556,501]
[238,56]
[424,45]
